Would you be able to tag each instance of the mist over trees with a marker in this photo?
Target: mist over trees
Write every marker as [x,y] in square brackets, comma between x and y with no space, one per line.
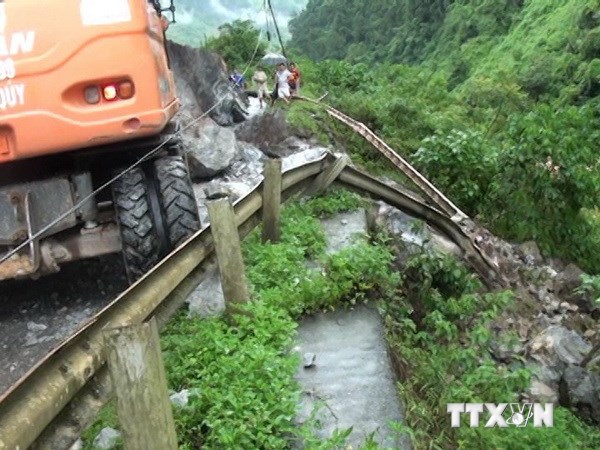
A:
[199,20]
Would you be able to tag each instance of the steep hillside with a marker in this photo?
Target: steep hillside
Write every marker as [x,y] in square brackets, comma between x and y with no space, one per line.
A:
[548,47]
[200,19]
[497,101]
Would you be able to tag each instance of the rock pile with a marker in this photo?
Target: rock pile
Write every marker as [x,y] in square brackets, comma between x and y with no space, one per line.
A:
[555,332]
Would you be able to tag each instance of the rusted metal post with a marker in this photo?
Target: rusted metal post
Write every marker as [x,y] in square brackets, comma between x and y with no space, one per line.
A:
[272,201]
[138,376]
[228,250]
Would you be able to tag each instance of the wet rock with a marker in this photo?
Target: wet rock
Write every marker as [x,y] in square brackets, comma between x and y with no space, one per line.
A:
[181,398]
[264,130]
[308,360]
[413,233]
[568,280]
[580,388]
[211,149]
[554,349]
[505,351]
[531,253]
[551,305]
[77,445]
[32,339]
[566,306]
[541,392]
[32,326]
[207,299]
[202,84]
[549,375]
[107,439]
[590,334]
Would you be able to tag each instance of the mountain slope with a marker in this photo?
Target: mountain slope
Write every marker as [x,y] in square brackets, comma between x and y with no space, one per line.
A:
[550,48]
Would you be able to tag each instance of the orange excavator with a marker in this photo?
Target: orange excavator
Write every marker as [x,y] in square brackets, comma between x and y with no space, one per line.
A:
[86,92]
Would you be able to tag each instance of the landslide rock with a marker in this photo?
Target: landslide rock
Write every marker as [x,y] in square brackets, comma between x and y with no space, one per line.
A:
[210,148]
[580,389]
[556,347]
[202,82]
[264,130]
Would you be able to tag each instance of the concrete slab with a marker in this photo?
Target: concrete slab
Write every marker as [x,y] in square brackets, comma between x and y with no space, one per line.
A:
[352,375]
[343,230]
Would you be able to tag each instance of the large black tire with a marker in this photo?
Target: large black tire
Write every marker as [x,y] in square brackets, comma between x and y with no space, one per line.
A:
[176,197]
[140,243]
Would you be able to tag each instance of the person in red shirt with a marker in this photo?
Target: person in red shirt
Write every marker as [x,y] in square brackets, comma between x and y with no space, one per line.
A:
[294,79]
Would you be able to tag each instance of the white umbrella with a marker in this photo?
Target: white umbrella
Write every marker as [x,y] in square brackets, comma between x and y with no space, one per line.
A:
[273,59]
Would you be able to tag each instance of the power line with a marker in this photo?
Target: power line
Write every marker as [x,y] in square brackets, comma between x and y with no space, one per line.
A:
[277,28]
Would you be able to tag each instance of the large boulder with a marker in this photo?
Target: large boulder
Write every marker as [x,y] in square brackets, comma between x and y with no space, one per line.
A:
[107,439]
[412,233]
[558,347]
[530,253]
[203,85]
[554,350]
[580,389]
[264,130]
[211,149]
[566,286]
[207,299]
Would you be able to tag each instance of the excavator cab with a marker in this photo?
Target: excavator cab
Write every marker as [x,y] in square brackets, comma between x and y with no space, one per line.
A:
[86,91]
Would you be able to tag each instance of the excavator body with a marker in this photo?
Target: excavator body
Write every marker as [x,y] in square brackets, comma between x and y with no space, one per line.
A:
[86,91]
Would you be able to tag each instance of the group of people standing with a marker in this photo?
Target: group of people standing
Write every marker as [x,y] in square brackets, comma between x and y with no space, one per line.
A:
[287,83]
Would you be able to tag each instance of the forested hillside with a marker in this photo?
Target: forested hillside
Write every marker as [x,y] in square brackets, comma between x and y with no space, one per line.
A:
[496,100]
[548,47]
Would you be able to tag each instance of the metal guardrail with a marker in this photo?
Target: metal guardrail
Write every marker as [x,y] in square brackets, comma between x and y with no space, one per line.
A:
[38,410]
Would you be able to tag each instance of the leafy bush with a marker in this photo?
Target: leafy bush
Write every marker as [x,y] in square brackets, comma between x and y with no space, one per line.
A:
[547,174]
[461,163]
[237,42]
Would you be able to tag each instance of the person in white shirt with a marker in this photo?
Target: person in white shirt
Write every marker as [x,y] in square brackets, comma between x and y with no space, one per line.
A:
[283,87]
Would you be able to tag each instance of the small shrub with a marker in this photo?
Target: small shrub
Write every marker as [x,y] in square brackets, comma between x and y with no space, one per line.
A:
[461,163]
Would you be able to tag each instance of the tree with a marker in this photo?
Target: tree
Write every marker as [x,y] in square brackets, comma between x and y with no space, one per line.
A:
[237,43]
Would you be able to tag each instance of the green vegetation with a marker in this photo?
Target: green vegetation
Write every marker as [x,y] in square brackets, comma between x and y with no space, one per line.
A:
[240,371]
[439,333]
[499,109]
[238,43]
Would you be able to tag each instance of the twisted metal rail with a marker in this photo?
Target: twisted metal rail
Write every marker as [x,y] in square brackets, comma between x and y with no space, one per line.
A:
[490,270]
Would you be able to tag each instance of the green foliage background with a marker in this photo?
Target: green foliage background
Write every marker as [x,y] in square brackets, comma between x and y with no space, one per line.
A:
[237,44]
[496,101]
